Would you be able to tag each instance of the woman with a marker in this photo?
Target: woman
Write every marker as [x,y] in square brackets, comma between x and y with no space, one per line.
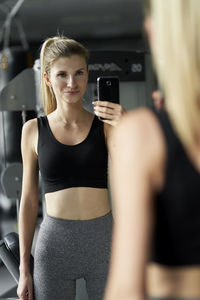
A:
[155,180]
[69,147]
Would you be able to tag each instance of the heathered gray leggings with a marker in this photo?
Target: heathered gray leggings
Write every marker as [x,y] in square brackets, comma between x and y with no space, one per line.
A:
[67,250]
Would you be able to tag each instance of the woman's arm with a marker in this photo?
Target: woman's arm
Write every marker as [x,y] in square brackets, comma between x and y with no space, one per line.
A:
[28,205]
[136,150]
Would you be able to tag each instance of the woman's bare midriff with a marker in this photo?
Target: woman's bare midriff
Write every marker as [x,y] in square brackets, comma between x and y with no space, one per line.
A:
[79,203]
[171,282]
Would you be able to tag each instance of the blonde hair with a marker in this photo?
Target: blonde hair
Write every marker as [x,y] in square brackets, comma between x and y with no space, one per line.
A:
[176,54]
[52,49]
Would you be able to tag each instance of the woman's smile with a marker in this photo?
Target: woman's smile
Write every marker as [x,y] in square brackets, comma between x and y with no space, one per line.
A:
[72,92]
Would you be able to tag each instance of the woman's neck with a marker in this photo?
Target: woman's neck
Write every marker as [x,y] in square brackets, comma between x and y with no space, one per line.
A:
[70,113]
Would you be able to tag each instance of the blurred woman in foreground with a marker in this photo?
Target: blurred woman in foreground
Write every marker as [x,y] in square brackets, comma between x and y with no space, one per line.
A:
[155,176]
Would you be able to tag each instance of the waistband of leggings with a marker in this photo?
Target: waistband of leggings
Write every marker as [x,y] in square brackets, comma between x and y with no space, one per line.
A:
[103,218]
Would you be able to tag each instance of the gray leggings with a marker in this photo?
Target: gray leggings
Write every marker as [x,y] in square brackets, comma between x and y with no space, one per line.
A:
[67,250]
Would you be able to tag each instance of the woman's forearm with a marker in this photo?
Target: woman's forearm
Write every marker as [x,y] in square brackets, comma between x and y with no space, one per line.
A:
[27,222]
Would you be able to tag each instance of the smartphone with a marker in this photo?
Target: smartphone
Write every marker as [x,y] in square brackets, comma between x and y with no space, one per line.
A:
[108,88]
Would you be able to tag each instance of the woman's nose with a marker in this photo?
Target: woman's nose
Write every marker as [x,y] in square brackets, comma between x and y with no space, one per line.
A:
[71,81]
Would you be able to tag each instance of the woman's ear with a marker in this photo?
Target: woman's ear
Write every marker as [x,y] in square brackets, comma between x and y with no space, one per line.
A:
[47,79]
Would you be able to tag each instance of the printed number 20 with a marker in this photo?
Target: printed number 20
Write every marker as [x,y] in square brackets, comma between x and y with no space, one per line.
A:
[136,68]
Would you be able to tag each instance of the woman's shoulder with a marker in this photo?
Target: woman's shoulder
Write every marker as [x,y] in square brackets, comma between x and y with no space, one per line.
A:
[139,133]
[30,124]
[29,137]
[142,120]
[30,127]
[140,130]
[140,125]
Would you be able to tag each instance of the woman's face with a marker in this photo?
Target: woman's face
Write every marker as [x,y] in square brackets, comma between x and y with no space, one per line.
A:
[68,78]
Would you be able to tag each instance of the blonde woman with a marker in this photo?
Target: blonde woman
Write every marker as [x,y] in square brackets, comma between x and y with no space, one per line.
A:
[69,147]
[155,174]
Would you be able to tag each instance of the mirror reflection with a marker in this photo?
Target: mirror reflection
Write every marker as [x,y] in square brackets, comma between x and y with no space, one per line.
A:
[56,142]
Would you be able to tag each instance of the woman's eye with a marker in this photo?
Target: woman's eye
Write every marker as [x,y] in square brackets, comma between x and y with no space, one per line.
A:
[62,75]
[79,73]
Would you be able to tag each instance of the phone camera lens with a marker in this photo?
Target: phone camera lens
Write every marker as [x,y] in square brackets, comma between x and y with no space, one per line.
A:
[108,82]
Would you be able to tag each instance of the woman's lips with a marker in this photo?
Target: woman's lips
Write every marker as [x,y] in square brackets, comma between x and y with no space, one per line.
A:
[72,92]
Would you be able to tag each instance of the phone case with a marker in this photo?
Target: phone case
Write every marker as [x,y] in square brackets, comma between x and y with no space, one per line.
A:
[108,88]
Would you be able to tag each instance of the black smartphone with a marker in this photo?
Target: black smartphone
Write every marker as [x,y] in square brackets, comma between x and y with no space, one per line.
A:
[108,88]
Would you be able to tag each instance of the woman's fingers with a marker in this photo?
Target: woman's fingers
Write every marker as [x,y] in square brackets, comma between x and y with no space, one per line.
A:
[106,113]
[25,288]
[30,293]
[106,104]
[23,295]
[108,110]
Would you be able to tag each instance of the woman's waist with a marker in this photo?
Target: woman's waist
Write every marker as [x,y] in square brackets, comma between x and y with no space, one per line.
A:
[78,203]
[169,282]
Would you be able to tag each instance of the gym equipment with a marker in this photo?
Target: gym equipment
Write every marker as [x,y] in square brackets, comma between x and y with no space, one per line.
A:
[9,254]
[12,61]
[17,105]
[10,138]
[19,94]
[9,298]
[11,180]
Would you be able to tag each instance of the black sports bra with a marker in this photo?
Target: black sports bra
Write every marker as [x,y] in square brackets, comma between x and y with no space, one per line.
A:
[65,166]
[177,206]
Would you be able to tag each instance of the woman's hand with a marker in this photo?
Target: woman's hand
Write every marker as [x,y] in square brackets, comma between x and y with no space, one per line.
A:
[109,111]
[25,287]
